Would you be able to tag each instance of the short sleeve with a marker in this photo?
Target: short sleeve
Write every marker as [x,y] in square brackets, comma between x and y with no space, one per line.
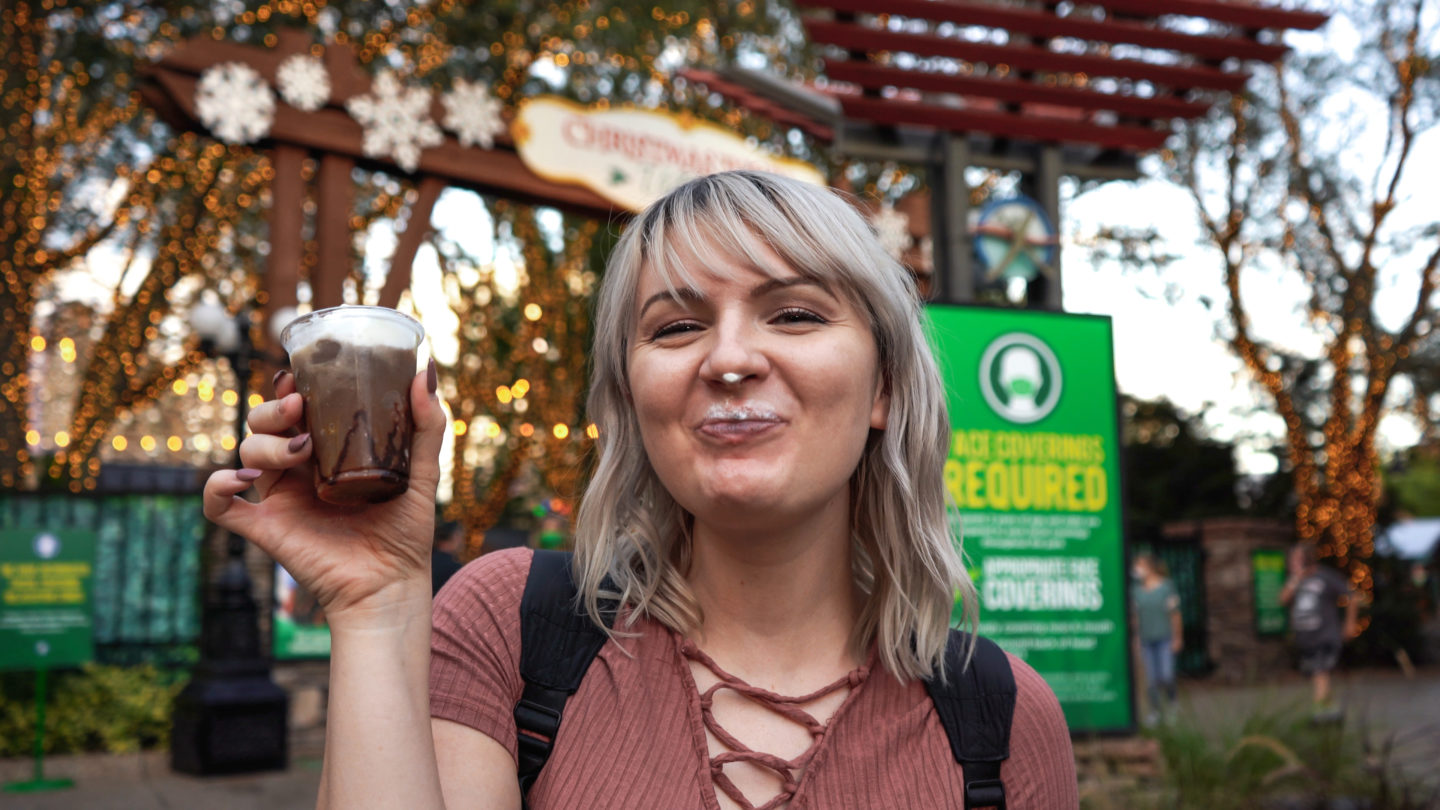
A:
[1040,772]
[475,645]
[1172,596]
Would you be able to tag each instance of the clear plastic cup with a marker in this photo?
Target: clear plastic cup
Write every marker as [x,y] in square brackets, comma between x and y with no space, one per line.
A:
[353,366]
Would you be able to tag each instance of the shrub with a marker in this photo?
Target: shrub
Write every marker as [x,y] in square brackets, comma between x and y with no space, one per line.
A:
[1282,759]
[97,708]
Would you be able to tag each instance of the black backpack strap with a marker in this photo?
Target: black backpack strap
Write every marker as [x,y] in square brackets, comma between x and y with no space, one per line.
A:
[976,704]
[558,640]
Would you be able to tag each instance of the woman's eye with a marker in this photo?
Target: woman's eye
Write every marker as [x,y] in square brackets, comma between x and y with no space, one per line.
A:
[794,315]
[676,328]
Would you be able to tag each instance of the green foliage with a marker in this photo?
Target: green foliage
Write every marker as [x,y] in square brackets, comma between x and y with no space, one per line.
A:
[1172,471]
[99,708]
[1280,758]
[1416,489]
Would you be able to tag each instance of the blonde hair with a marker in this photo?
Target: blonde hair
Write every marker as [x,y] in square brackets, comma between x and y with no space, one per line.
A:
[631,530]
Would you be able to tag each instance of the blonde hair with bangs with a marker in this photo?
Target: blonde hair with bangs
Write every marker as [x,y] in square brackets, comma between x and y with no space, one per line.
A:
[631,530]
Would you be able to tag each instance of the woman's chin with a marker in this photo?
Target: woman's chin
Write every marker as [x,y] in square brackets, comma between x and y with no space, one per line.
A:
[759,503]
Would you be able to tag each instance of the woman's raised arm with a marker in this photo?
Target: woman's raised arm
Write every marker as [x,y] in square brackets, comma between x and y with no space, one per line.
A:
[369,567]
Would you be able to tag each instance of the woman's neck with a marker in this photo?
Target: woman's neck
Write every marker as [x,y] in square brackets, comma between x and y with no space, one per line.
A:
[779,604]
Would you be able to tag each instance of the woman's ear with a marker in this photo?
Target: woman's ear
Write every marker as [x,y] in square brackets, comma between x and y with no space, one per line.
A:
[880,409]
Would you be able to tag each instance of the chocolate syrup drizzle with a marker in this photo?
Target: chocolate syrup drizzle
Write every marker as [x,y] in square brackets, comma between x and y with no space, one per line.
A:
[395,454]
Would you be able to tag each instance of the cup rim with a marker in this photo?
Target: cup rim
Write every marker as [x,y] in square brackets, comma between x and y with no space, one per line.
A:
[351,311]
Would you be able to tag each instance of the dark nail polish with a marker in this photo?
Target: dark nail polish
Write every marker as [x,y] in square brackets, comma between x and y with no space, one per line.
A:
[298,443]
[247,474]
[275,381]
[432,377]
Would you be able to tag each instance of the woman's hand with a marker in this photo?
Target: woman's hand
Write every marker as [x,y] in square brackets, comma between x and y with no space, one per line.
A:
[361,563]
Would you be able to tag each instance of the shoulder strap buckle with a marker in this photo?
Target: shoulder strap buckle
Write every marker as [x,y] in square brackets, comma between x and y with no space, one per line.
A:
[984,793]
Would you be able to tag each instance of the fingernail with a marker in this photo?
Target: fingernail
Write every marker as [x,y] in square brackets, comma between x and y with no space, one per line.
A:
[298,443]
[247,474]
[432,377]
[275,381]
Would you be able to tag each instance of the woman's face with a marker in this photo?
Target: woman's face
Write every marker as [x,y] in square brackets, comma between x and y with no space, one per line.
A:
[779,444]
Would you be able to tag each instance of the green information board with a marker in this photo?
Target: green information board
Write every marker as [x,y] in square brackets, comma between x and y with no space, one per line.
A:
[1267,567]
[298,622]
[45,583]
[1035,473]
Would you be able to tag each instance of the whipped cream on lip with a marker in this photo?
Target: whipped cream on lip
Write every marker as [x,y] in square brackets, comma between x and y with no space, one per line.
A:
[734,421]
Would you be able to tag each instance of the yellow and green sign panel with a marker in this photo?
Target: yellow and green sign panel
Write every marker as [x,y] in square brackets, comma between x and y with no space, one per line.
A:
[1034,470]
[45,584]
[1267,566]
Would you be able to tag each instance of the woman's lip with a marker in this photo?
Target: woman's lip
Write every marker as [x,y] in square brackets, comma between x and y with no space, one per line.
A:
[736,430]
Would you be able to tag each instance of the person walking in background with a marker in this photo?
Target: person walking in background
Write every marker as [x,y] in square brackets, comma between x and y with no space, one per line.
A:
[444,563]
[1157,619]
[1314,593]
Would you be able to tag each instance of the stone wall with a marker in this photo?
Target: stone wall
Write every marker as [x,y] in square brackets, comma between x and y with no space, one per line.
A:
[1237,651]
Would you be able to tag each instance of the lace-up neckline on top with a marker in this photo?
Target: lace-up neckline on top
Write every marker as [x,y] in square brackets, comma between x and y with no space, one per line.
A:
[789,771]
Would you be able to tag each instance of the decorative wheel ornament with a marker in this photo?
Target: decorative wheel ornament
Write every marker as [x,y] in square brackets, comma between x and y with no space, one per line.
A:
[893,228]
[235,103]
[304,84]
[396,121]
[472,113]
[1014,238]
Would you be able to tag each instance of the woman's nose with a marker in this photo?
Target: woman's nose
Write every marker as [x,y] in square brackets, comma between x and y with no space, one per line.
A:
[735,353]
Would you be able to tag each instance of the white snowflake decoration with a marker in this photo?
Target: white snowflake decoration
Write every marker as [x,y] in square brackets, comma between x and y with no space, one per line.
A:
[304,84]
[235,103]
[893,228]
[472,113]
[396,121]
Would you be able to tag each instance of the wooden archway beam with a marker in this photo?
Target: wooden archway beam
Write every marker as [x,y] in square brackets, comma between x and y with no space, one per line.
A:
[496,171]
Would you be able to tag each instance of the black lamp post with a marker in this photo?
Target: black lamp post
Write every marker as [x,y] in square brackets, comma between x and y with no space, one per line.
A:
[231,717]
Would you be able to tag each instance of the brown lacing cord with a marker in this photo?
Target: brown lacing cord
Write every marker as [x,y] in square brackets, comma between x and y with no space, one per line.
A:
[788,707]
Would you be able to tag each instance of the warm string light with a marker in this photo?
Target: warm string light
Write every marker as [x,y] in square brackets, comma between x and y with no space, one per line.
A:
[1337,480]
[193,206]
[523,371]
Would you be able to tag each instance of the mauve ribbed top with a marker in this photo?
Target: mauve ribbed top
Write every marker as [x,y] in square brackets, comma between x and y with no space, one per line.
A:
[634,736]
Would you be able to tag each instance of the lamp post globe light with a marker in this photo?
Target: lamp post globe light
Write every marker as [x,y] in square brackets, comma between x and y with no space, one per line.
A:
[231,717]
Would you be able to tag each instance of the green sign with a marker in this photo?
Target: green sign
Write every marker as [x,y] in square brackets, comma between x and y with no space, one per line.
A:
[298,628]
[1267,567]
[1035,473]
[45,618]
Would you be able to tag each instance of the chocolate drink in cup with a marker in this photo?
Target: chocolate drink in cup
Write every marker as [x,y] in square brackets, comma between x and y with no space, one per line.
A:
[353,366]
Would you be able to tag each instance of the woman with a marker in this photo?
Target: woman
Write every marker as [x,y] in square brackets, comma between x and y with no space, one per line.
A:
[1157,619]
[768,503]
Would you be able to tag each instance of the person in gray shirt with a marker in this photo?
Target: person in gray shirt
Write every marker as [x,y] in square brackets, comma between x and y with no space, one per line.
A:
[1314,594]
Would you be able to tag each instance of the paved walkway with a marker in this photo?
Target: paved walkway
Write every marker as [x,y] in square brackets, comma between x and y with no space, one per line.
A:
[145,782]
[1387,701]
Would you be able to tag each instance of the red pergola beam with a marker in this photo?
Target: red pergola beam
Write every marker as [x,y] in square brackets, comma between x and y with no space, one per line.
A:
[756,103]
[1021,57]
[1048,25]
[1006,125]
[874,77]
[1244,15]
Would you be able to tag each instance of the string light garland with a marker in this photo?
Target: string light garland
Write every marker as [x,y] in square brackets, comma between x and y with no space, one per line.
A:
[191,214]
[1330,444]
[520,364]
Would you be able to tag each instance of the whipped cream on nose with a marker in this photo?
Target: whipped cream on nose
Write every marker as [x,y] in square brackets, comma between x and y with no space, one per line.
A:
[741,412]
